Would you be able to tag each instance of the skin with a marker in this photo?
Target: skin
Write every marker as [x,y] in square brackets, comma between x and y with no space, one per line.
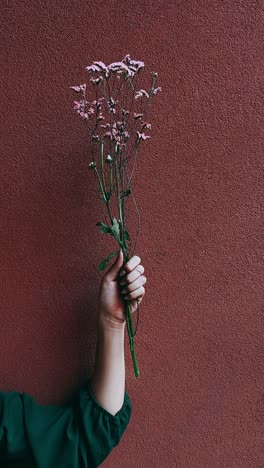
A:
[108,379]
[115,287]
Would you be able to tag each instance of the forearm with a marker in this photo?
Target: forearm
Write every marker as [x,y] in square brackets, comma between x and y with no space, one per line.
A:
[108,378]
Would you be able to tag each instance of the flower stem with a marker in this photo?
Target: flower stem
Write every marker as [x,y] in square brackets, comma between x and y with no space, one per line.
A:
[103,180]
[129,322]
[130,330]
[117,185]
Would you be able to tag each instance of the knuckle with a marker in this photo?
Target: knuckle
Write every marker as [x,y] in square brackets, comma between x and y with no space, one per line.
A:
[127,278]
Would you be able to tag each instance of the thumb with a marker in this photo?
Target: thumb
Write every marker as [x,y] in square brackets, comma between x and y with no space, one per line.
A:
[112,273]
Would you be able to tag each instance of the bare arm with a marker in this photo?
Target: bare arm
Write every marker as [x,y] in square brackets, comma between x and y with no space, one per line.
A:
[108,379]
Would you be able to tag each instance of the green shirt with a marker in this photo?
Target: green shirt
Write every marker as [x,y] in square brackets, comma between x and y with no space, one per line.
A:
[80,434]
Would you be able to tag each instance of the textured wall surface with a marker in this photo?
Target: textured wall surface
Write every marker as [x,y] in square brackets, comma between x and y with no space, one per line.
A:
[199,186]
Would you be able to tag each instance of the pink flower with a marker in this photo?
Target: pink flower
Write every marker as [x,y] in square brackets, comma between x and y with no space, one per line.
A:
[141,93]
[145,125]
[134,65]
[109,135]
[101,65]
[79,88]
[84,116]
[142,136]
[111,104]
[93,68]
[98,103]
[125,112]
[95,137]
[98,67]
[117,66]
[126,136]
[156,90]
[96,80]
[77,105]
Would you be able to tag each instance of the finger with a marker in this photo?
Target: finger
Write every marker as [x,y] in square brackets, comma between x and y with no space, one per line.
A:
[130,265]
[135,294]
[130,277]
[135,303]
[135,285]
[112,273]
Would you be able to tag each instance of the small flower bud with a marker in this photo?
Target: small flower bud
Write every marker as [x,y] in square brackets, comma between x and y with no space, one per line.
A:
[109,159]
[125,112]
[92,165]
[137,116]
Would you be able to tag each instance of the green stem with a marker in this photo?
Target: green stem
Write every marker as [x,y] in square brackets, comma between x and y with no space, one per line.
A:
[103,179]
[130,330]
[111,179]
[129,322]
[102,188]
[117,187]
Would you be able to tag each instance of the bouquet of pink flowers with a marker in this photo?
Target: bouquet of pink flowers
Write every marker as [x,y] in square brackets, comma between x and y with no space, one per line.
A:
[116,134]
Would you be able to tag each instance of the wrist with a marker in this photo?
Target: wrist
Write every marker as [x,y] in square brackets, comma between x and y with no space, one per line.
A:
[108,323]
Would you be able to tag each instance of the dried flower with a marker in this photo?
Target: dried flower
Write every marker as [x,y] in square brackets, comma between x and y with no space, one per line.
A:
[97,81]
[120,66]
[120,126]
[145,125]
[93,68]
[92,165]
[141,93]
[109,159]
[142,136]
[155,90]
[79,88]
[134,65]
[125,112]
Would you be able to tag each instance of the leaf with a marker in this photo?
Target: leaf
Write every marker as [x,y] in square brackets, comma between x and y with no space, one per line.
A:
[115,228]
[126,235]
[101,224]
[126,193]
[105,262]
[105,229]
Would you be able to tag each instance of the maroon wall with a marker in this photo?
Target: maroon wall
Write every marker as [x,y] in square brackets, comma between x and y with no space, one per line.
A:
[199,186]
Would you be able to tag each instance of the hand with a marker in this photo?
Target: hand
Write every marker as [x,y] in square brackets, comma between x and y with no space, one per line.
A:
[111,299]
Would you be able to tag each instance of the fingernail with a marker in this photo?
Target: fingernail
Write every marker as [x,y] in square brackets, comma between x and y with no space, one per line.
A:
[122,273]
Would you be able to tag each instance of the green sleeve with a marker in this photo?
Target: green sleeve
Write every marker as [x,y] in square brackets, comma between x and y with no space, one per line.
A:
[79,434]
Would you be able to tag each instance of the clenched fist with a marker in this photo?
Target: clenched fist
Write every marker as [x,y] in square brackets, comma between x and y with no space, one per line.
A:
[116,287]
